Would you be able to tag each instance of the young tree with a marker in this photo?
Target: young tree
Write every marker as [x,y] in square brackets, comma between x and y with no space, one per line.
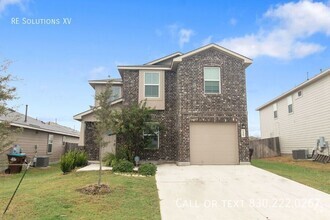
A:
[103,114]
[7,93]
[130,124]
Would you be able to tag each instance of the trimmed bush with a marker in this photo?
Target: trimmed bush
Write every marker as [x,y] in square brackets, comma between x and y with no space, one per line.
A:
[108,158]
[123,166]
[148,169]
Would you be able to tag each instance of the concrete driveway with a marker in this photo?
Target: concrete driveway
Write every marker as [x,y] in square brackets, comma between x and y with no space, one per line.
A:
[235,192]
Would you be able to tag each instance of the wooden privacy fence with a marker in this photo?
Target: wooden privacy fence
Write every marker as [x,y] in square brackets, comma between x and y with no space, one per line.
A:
[262,148]
[72,146]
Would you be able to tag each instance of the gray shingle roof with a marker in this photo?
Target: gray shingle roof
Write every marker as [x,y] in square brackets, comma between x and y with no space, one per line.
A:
[17,119]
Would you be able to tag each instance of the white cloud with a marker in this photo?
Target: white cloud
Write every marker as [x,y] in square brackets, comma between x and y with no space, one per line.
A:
[293,24]
[184,36]
[5,3]
[97,72]
[207,41]
[180,34]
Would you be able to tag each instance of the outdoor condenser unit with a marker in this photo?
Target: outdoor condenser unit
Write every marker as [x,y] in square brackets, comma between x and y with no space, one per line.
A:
[299,154]
[42,161]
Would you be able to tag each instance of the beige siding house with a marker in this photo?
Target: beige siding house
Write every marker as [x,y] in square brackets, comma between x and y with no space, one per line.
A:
[38,137]
[300,116]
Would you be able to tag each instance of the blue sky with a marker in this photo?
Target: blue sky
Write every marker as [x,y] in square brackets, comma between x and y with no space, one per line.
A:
[53,62]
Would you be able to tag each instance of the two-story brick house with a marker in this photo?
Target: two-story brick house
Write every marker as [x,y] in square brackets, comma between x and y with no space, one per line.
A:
[200,98]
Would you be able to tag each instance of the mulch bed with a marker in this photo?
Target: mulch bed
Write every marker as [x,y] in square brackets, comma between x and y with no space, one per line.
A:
[95,189]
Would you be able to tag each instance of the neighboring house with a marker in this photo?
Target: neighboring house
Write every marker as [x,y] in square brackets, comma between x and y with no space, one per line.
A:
[50,138]
[300,116]
[200,98]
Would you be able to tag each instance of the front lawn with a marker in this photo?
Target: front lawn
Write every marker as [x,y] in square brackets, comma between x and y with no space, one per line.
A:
[48,194]
[310,173]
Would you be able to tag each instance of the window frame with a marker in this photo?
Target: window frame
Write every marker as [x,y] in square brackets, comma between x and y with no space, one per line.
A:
[290,104]
[208,80]
[275,111]
[157,133]
[145,84]
[119,95]
[50,142]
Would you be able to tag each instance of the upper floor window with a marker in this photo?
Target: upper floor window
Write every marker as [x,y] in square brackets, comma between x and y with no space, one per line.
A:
[299,93]
[275,110]
[289,99]
[151,85]
[212,80]
[116,93]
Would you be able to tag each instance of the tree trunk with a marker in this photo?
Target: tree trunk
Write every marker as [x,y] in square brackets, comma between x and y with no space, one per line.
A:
[100,161]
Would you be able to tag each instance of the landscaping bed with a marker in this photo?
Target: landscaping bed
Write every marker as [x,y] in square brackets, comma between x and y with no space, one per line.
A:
[307,172]
[48,194]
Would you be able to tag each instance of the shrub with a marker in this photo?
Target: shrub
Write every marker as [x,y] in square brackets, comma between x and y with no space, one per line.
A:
[81,158]
[73,159]
[123,153]
[148,169]
[108,158]
[123,166]
[67,163]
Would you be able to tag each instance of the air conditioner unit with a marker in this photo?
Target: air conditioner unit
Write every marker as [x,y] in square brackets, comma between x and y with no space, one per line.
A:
[299,154]
[42,161]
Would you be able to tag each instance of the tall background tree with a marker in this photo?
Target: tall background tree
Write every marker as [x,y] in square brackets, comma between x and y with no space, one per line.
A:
[7,93]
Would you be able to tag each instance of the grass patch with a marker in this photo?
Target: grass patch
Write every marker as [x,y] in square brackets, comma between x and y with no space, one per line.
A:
[47,194]
[310,173]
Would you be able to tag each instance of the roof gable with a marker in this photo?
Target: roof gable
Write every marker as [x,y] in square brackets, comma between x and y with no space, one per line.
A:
[164,60]
[246,60]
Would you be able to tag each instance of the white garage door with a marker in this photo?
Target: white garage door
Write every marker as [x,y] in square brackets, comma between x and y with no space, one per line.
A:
[213,143]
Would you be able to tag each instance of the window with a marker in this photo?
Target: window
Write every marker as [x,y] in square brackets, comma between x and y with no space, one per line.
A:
[212,80]
[50,143]
[289,99]
[116,93]
[152,136]
[151,85]
[275,110]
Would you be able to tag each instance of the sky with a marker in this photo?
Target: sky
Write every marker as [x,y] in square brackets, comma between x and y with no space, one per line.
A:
[57,46]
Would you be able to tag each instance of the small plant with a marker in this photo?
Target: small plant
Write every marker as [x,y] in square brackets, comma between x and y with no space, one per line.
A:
[108,158]
[67,163]
[123,166]
[148,169]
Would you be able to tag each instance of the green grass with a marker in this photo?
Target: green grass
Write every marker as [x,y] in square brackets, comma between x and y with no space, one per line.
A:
[309,173]
[48,194]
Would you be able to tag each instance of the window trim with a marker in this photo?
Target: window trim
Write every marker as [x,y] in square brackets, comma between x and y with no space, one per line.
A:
[48,143]
[208,93]
[144,84]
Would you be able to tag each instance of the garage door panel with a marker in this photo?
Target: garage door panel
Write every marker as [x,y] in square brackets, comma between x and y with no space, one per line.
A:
[213,143]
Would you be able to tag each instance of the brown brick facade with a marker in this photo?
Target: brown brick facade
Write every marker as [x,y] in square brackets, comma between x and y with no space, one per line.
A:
[186,102]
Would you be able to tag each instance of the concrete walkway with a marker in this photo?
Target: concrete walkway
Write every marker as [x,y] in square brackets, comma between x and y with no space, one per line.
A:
[235,192]
[93,167]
